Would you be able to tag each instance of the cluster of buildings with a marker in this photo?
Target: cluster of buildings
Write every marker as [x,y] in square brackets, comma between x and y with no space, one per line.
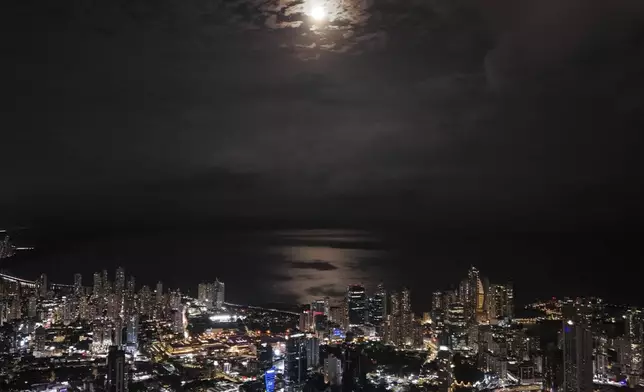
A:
[75,323]
[382,315]
[113,335]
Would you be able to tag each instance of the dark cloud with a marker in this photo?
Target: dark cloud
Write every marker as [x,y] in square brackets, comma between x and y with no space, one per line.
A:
[314,265]
[325,291]
[456,112]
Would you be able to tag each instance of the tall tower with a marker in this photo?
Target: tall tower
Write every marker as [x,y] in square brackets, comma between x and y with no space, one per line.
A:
[295,362]
[407,317]
[471,299]
[578,357]
[106,284]
[42,285]
[98,285]
[116,377]
[133,331]
[119,281]
[356,305]
[378,306]
[393,332]
[159,293]
[220,291]
[78,285]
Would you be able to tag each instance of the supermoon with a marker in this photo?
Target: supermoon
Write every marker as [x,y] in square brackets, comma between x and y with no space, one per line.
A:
[318,13]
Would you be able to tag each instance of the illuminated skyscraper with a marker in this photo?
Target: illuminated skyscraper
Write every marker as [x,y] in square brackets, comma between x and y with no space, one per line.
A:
[407,317]
[205,294]
[295,366]
[98,285]
[178,320]
[220,291]
[437,301]
[84,309]
[378,306]
[500,301]
[42,286]
[131,286]
[333,371]
[78,285]
[119,281]
[145,302]
[393,332]
[312,352]
[105,283]
[578,357]
[159,293]
[116,370]
[32,307]
[133,331]
[117,337]
[400,322]
[474,296]
[113,306]
[175,299]
[356,305]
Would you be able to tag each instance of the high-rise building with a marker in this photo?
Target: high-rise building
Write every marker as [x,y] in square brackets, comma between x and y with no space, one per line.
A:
[456,323]
[295,366]
[500,301]
[220,291]
[113,306]
[78,285]
[437,301]
[101,335]
[145,302]
[175,299]
[105,283]
[68,310]
[474,296]
[32,308]
[40,338]
[84,309]
[206,294]
[116,370]
[317,306]
[98,285]
[378,306]
[305,322]
[159,293]
[356,305]
[133,331]
[131,286]
[578,357]
[117,338]
[333,371]
[400,322]
[42,286]
[178,319]
[119,281]
[338,315]
[312,352]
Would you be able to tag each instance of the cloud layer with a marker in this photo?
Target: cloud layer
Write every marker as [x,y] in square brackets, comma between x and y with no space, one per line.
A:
[450,111]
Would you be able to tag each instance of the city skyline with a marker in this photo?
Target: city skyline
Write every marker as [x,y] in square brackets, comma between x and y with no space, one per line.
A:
[322,196]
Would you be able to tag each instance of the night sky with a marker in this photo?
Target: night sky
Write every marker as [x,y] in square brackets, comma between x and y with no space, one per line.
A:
[502,133]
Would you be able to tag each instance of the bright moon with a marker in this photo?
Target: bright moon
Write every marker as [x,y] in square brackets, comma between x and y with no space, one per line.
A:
[318,13]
